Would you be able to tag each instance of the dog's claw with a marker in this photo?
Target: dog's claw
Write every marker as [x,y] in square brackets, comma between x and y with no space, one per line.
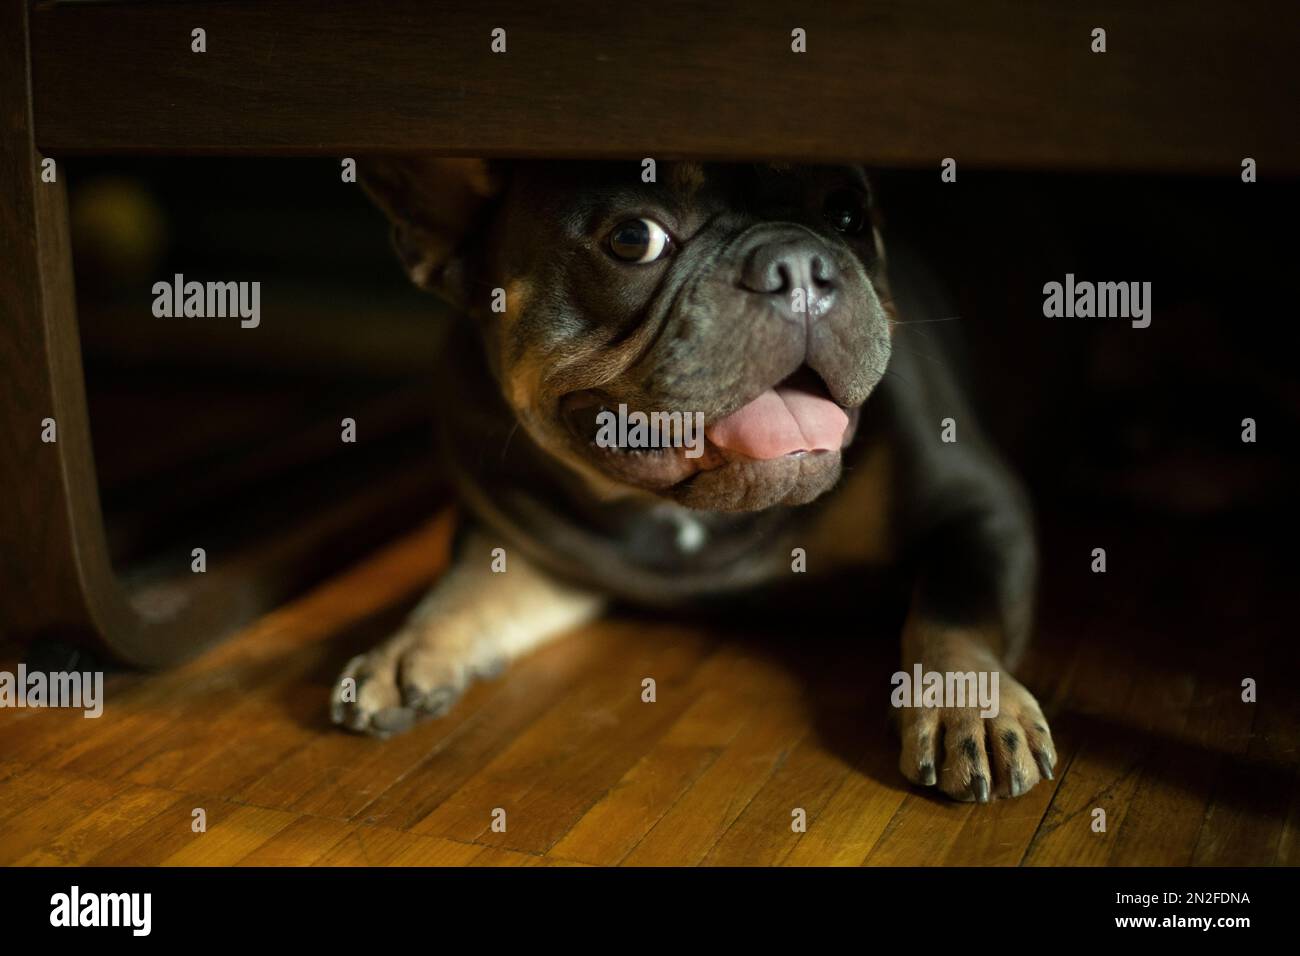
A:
[433,703]
[393,720]
[1045,766]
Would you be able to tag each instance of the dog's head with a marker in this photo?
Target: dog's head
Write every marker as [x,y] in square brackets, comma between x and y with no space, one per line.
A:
[748,298]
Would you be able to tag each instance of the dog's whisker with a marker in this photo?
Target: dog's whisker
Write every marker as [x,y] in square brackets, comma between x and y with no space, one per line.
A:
[951,318]
[509,435]
[919,354]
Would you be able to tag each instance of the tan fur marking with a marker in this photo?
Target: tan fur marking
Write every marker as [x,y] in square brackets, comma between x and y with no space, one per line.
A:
[518,292]
[473,612]
[854,529]
[687,179]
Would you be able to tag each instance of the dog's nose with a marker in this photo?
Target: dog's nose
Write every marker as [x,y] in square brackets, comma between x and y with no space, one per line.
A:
[797,274]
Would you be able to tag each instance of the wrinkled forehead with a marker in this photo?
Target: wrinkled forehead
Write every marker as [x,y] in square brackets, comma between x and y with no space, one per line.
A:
[577,189]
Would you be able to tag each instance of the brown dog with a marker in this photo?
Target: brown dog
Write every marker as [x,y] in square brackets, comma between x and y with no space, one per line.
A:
[750,300]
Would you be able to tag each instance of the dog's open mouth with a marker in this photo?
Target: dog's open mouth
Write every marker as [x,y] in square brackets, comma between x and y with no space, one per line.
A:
[797,416]
[794,418]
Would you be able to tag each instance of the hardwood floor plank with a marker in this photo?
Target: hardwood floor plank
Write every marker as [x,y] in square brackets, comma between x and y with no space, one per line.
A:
[693,826]
[21,786]
[619,820]
[1164,812]
[1001,833]
[496,856]
[573,754]
[85,837]
[414,850]
[41,821]
[380,846]
[921,831]
[764,834]
[1288,844]
[506,709]
[1097,768]
[302,843]
[232,833]
[150,842]
[856,814]
[1251,793]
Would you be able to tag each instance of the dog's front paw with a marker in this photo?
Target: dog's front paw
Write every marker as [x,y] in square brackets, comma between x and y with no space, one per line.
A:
[410,677]
[972,757]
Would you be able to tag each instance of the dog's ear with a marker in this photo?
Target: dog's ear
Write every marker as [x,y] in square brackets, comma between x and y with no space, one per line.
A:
[434,206]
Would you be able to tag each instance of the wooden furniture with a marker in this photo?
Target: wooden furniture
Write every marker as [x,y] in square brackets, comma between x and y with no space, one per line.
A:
[1180,89]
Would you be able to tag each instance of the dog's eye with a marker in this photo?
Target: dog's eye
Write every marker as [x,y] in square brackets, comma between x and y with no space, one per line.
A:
[638,240]
[846,211]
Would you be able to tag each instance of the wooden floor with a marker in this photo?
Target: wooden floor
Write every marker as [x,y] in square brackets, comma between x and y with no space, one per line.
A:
[1139,670]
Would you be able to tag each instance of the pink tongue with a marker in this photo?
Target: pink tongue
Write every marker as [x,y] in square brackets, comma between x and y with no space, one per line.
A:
[780,421]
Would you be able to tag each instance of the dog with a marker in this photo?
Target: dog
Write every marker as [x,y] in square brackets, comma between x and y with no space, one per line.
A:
[754,297]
